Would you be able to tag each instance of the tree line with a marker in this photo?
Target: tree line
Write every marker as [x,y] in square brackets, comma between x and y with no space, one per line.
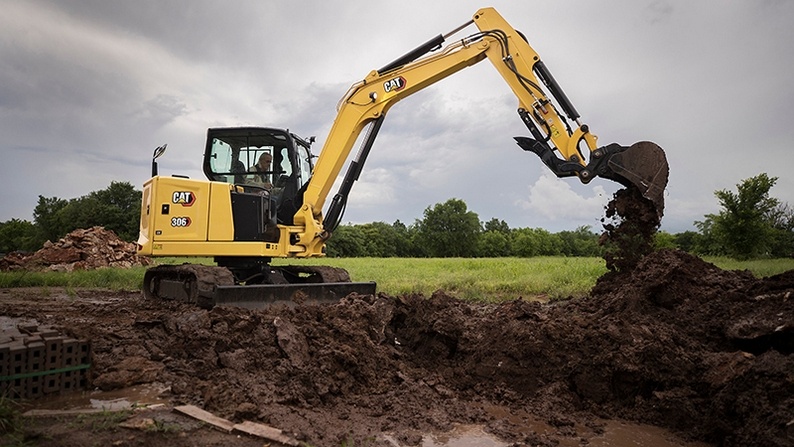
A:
[750,224]
[449,229]
[116,208]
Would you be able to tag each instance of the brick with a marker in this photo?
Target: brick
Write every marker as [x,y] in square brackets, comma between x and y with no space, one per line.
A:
[17,364]
[53,347]
[32,338]
[17,358]
[52,383]
[68,380]
[27,328]
[70,357]
[84,352]
[5,352]
[36,356]
[48,332]
[33,387]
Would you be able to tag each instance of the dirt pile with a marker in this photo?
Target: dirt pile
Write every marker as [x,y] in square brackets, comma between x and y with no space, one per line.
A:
[676,343]
[82,249]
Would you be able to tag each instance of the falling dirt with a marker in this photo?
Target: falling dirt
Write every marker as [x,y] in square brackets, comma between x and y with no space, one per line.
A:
[630,224]
[676,343]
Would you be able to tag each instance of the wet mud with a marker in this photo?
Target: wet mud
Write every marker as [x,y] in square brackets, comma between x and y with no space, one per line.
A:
[674,342]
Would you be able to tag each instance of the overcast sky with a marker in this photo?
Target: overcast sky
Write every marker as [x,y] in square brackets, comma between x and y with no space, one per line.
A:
[89,88]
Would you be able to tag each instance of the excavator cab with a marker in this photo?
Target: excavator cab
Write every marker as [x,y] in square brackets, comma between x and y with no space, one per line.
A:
[233,155]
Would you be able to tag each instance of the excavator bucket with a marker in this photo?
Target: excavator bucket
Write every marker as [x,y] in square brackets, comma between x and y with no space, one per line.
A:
[644,166]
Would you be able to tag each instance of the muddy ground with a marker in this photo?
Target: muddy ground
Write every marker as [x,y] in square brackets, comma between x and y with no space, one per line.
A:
[676,343]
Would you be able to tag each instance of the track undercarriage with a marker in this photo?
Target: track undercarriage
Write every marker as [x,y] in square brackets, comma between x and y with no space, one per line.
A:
[252,285]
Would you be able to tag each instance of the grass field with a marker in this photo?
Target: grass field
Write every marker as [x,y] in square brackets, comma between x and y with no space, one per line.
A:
[487,279]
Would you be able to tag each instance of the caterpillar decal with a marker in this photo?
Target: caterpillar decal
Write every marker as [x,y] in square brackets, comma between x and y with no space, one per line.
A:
[184,198]
[394,85]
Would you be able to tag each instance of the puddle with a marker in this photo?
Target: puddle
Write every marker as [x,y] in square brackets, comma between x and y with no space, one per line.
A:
[460,436]
[122,399]
[615,434]
[463,436]
[627,434]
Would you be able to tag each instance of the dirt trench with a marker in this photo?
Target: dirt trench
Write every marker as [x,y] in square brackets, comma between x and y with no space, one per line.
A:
[676,343]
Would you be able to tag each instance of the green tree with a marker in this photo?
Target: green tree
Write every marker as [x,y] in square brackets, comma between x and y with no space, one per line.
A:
[493,244]
[708,242]
[528,242]
[449,229]
[497,225]
[117,208]
[18,235]
[379,239]
[745,225]
[663,239]
[405,246]
[782,221]
[46,219]
[580,242]
[687,240]
[345,242]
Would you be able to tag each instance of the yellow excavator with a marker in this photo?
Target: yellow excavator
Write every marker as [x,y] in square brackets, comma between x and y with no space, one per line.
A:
[265,192]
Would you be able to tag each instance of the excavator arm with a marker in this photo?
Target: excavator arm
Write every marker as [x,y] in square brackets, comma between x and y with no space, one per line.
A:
[557,138]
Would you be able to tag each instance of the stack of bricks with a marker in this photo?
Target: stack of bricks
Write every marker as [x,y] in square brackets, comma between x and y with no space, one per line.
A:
[35,362]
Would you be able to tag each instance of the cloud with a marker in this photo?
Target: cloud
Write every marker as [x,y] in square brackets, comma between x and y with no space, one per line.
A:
[95,85]
[555,199]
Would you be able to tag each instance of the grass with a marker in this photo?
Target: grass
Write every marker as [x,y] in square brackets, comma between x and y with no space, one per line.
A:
[9,415]
[12,425]
[489,279]
[110,278]
[759,267]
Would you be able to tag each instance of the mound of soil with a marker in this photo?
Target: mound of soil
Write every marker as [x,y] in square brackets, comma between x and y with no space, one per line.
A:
[675,342]
[82,249]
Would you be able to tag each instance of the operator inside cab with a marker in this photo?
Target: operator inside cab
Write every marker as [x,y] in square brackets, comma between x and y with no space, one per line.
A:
[262,172]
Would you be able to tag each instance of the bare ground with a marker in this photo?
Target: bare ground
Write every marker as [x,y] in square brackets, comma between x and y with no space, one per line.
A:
[676,343]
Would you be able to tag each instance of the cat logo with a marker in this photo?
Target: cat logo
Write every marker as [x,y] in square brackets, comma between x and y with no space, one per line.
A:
[184,198]
[394,85]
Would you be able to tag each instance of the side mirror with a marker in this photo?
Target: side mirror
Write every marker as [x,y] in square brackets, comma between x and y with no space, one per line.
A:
[157,154]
